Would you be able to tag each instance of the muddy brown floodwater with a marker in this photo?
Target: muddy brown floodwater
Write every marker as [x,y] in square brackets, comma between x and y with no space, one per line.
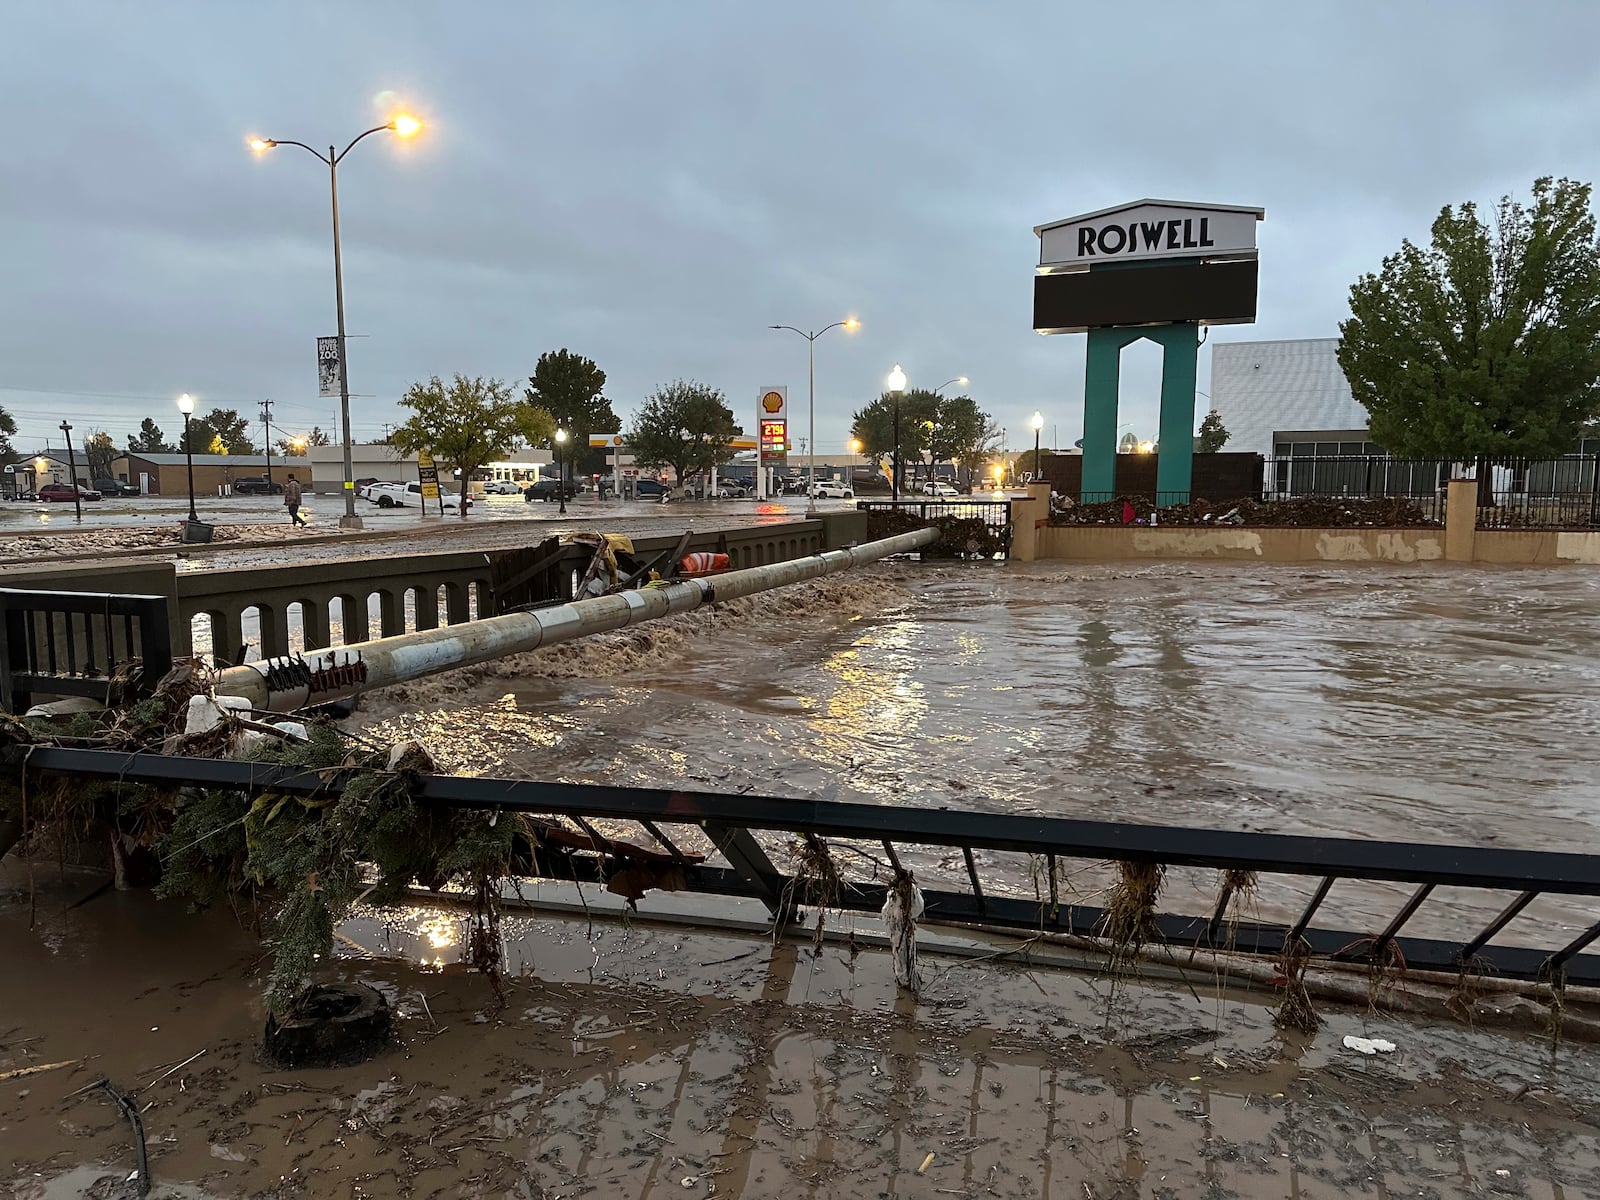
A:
[641,1060]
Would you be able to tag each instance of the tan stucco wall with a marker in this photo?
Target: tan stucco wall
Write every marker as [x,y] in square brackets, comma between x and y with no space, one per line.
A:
[1506,547]
[1256,545]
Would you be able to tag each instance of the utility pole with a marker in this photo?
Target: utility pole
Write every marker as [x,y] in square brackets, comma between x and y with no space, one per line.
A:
[266,421]
[72,472]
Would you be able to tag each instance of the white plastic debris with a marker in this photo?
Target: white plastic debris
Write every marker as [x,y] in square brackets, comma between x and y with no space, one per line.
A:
[901,909]
[205,712]
[1368,1045]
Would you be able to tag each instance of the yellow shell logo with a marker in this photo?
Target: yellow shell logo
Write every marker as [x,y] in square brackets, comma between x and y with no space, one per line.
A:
[772,402]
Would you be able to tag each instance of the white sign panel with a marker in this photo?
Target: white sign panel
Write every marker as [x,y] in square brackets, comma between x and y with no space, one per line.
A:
[773,405]
[327,366]
[1149,229]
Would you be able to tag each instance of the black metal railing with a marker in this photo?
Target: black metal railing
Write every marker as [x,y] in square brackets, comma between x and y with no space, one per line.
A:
[994,515]
[1416,482]
[80,644]
[1559,493]
[719,844]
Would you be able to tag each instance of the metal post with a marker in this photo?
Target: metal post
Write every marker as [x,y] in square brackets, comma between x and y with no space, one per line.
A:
[811,484]
[561,479]
[72,472]
[349,520]
[1594,491]
[1037,473]
[894,465]
[188,454]
[266,423]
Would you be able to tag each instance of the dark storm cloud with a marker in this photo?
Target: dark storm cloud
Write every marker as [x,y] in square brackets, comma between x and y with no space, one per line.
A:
[653,184]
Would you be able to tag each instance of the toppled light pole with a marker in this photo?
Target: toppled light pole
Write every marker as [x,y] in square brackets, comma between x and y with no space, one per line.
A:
[287,684]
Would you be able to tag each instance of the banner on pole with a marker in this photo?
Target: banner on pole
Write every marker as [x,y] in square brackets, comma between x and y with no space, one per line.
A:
[327,366]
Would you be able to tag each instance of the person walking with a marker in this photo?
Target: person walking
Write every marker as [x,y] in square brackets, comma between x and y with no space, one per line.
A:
[291,501]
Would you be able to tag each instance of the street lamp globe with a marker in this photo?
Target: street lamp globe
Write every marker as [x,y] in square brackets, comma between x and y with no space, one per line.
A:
[1037,421]
[405,125]
[186,404]
[855,445]
[852,324]
[561,436]
[963,380]
[897,379]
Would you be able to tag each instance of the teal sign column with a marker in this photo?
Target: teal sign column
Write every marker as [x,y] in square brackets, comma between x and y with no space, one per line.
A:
[1180,345]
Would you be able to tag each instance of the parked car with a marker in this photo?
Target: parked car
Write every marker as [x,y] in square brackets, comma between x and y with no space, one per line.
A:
[256,485]
[547,488]
[52,492]
[502,487]
[409,495]
[938,487]
[732,490]
[115,487]
[831,489]
[651,489]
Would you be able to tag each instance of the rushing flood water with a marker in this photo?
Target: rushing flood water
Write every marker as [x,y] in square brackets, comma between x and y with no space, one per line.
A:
[1430,704]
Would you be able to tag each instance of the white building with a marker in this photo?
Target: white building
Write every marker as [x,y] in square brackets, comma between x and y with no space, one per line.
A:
[1287,399]
[381,461]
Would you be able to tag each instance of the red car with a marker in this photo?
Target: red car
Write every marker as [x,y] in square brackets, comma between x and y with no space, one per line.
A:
[63,491]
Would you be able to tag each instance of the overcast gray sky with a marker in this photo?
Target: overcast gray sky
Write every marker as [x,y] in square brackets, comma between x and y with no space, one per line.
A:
[652,184]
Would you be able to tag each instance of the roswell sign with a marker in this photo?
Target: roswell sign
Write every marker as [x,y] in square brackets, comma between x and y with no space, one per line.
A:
[1149,229]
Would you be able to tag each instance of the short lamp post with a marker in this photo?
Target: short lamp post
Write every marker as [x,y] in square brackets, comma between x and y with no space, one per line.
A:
[897,385]
[561,469]
[1038,423]
[186,407]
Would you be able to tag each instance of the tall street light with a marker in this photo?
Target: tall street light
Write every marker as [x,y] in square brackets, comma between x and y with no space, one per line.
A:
[561,469]
[404,126]
[851,324]
[186,407]
[1038,423]
[897,385]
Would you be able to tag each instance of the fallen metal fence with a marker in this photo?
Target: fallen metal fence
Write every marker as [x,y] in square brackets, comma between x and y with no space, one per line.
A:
[73,644]
[730,823]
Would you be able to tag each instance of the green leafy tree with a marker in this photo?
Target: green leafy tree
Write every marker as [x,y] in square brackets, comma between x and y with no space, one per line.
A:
[1213,435]
[468,422]
[933,429]
[1486,342]
[150,440]
[685,425]
[196,437]
[569,387]
[99,452]
[223,427]
[8,430]
[296,445]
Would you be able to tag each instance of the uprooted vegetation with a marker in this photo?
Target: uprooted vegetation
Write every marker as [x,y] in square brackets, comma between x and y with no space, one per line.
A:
[1310,512]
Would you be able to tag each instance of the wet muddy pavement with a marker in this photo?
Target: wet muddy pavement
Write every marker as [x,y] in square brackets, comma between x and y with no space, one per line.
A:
[650,1062]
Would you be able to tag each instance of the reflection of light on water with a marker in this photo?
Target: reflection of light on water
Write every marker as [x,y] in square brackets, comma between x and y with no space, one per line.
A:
[473,739]
[439,931]
[875,696]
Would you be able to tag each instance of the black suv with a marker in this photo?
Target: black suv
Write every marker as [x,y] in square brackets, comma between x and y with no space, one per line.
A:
[549,489]
[115,487]
[256,485]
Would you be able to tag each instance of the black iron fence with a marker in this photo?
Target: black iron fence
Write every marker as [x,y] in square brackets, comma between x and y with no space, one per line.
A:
[1559,493]
[724,844]
[1418,482]
[963,516]
[80,644]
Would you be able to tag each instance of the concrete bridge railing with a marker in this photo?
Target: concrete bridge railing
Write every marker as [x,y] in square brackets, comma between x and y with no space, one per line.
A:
[360,599]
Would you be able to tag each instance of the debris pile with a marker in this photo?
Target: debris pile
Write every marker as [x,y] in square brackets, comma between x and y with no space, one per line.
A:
[1309,512]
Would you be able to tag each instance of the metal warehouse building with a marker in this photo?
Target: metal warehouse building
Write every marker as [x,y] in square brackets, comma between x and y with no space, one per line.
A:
[1287,399]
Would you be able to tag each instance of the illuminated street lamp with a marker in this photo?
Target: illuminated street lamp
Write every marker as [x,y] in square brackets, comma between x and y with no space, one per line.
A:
[961,379]
[897,385]
[1038,423]
[402,126]
[186,407]
[561,469]
[851,325]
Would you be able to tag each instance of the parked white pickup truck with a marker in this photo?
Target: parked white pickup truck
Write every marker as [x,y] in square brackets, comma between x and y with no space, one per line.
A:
[406,495]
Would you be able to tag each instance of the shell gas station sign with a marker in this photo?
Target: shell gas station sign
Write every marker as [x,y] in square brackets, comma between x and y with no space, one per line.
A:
[772,417]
